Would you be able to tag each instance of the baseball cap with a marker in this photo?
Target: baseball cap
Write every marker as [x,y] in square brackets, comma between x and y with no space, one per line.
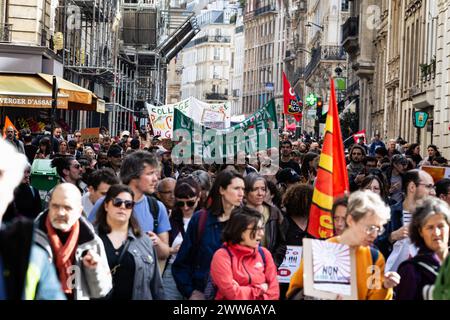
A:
[125,133]
[114,151]
[288,175]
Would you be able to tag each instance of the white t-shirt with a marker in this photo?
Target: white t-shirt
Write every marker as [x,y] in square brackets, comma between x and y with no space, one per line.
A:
[179,238]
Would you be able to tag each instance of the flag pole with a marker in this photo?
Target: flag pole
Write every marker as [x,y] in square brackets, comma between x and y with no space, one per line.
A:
[53,112]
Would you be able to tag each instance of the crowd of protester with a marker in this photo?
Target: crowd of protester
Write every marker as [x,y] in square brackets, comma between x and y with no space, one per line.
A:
[130,224]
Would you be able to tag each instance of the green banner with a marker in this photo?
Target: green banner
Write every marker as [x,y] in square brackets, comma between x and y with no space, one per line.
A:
[257,133]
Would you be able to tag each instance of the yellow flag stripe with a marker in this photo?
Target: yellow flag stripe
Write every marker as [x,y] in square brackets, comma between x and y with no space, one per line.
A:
[329,124]
[326,162]
[322,200]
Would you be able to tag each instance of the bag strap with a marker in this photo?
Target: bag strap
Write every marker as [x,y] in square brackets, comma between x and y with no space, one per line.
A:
[374,253]
[154,210]
[427,267]
[263,256]
[201,225]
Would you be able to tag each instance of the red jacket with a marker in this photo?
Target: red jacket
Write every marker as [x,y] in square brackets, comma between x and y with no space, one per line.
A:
[240,277]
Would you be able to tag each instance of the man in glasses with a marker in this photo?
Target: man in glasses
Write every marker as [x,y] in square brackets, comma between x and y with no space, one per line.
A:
[70,240]
[165,192]
[394,173]
[416,184]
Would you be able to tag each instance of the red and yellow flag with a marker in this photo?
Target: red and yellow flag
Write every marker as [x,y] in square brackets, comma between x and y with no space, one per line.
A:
[8,123]
[332,178]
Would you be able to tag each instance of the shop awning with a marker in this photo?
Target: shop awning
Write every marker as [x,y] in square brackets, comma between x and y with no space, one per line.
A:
[28,91]
[35,91]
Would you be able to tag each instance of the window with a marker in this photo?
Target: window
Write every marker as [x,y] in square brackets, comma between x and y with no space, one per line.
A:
[344,5]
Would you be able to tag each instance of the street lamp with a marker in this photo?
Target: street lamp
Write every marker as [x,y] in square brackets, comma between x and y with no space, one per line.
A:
[310,24]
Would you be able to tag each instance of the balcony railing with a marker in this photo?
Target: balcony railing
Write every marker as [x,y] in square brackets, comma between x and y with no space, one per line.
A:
[428,71]
[5,32]
[216,96]
[268,8]
[324,53]
[350,28]
[212,39]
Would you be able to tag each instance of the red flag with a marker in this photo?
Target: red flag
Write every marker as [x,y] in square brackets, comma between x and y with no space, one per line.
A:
[360,134]
[332,178]
[291,105]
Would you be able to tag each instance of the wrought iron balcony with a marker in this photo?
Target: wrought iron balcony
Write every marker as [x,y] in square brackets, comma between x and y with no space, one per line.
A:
[350,32]
[212,39]
[324,53]
[265,9]
[5,32]
[216,96]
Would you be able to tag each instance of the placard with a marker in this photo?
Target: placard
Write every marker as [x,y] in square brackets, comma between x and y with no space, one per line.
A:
[90,135]
[438,173]
[329,270]
[290,264]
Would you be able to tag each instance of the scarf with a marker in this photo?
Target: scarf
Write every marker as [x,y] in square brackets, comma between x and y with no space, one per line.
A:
[64,254]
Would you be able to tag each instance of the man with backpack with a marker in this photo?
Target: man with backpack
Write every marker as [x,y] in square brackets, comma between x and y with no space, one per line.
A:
[139,171]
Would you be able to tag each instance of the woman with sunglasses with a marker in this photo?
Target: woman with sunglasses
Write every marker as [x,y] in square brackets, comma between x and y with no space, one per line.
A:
[203,236]
[365,217]
[242,269]
[187,196]
[131,255]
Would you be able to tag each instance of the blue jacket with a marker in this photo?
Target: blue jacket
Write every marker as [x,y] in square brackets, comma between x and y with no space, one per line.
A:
[395,223]
[191,267]
[374,145]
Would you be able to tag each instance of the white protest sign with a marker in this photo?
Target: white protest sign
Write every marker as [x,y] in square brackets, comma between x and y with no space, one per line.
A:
[329,270]
[290,264]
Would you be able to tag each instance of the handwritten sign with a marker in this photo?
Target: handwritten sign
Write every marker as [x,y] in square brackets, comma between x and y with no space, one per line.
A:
[329,270]
[90,135]
[290,264]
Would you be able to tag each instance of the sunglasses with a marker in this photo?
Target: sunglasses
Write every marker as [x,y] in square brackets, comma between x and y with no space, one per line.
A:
[181,204]
[117,202]
[76,166]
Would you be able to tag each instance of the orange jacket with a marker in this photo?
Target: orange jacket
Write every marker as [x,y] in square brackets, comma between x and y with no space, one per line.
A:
[240,277]
[363,276]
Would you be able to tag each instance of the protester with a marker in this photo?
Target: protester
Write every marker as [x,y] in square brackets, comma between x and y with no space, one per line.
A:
[375,184]
[69,171]
[98,184]
[366,215]
[203,236]
[376,143]
[339,212]
[433,152]
[11,138]
[187,195]
[394,174]
[414,151]
[204,180]
[139,171]
[27,200]
[73,245]
[241,269]
[417,185]
[443,190]
[274,239]
[165,193]
[131,255]
[18,253]
[43,151]
[429,232]
[309,167]
[356,168]
[286,160]
[115,158]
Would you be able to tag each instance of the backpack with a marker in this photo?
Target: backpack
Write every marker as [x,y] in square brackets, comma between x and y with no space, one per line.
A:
[154,210]
[210,291]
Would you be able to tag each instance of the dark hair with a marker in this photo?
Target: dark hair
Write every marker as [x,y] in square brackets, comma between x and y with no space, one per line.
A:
[187,188]
[100,221]
[305,169]
[272,187]
[369,159]
[223,180]
[382,151]
[297,200]
[430,206]
[45,141]
[105,175]
[438,154]
[410,150]
[410,176]
[72,144]
[286,142]
[61,163]
[381,181]
[442,187]
[440,160]
[133,165]
[241,218]
[251,179]
[135,144]
[342,201]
